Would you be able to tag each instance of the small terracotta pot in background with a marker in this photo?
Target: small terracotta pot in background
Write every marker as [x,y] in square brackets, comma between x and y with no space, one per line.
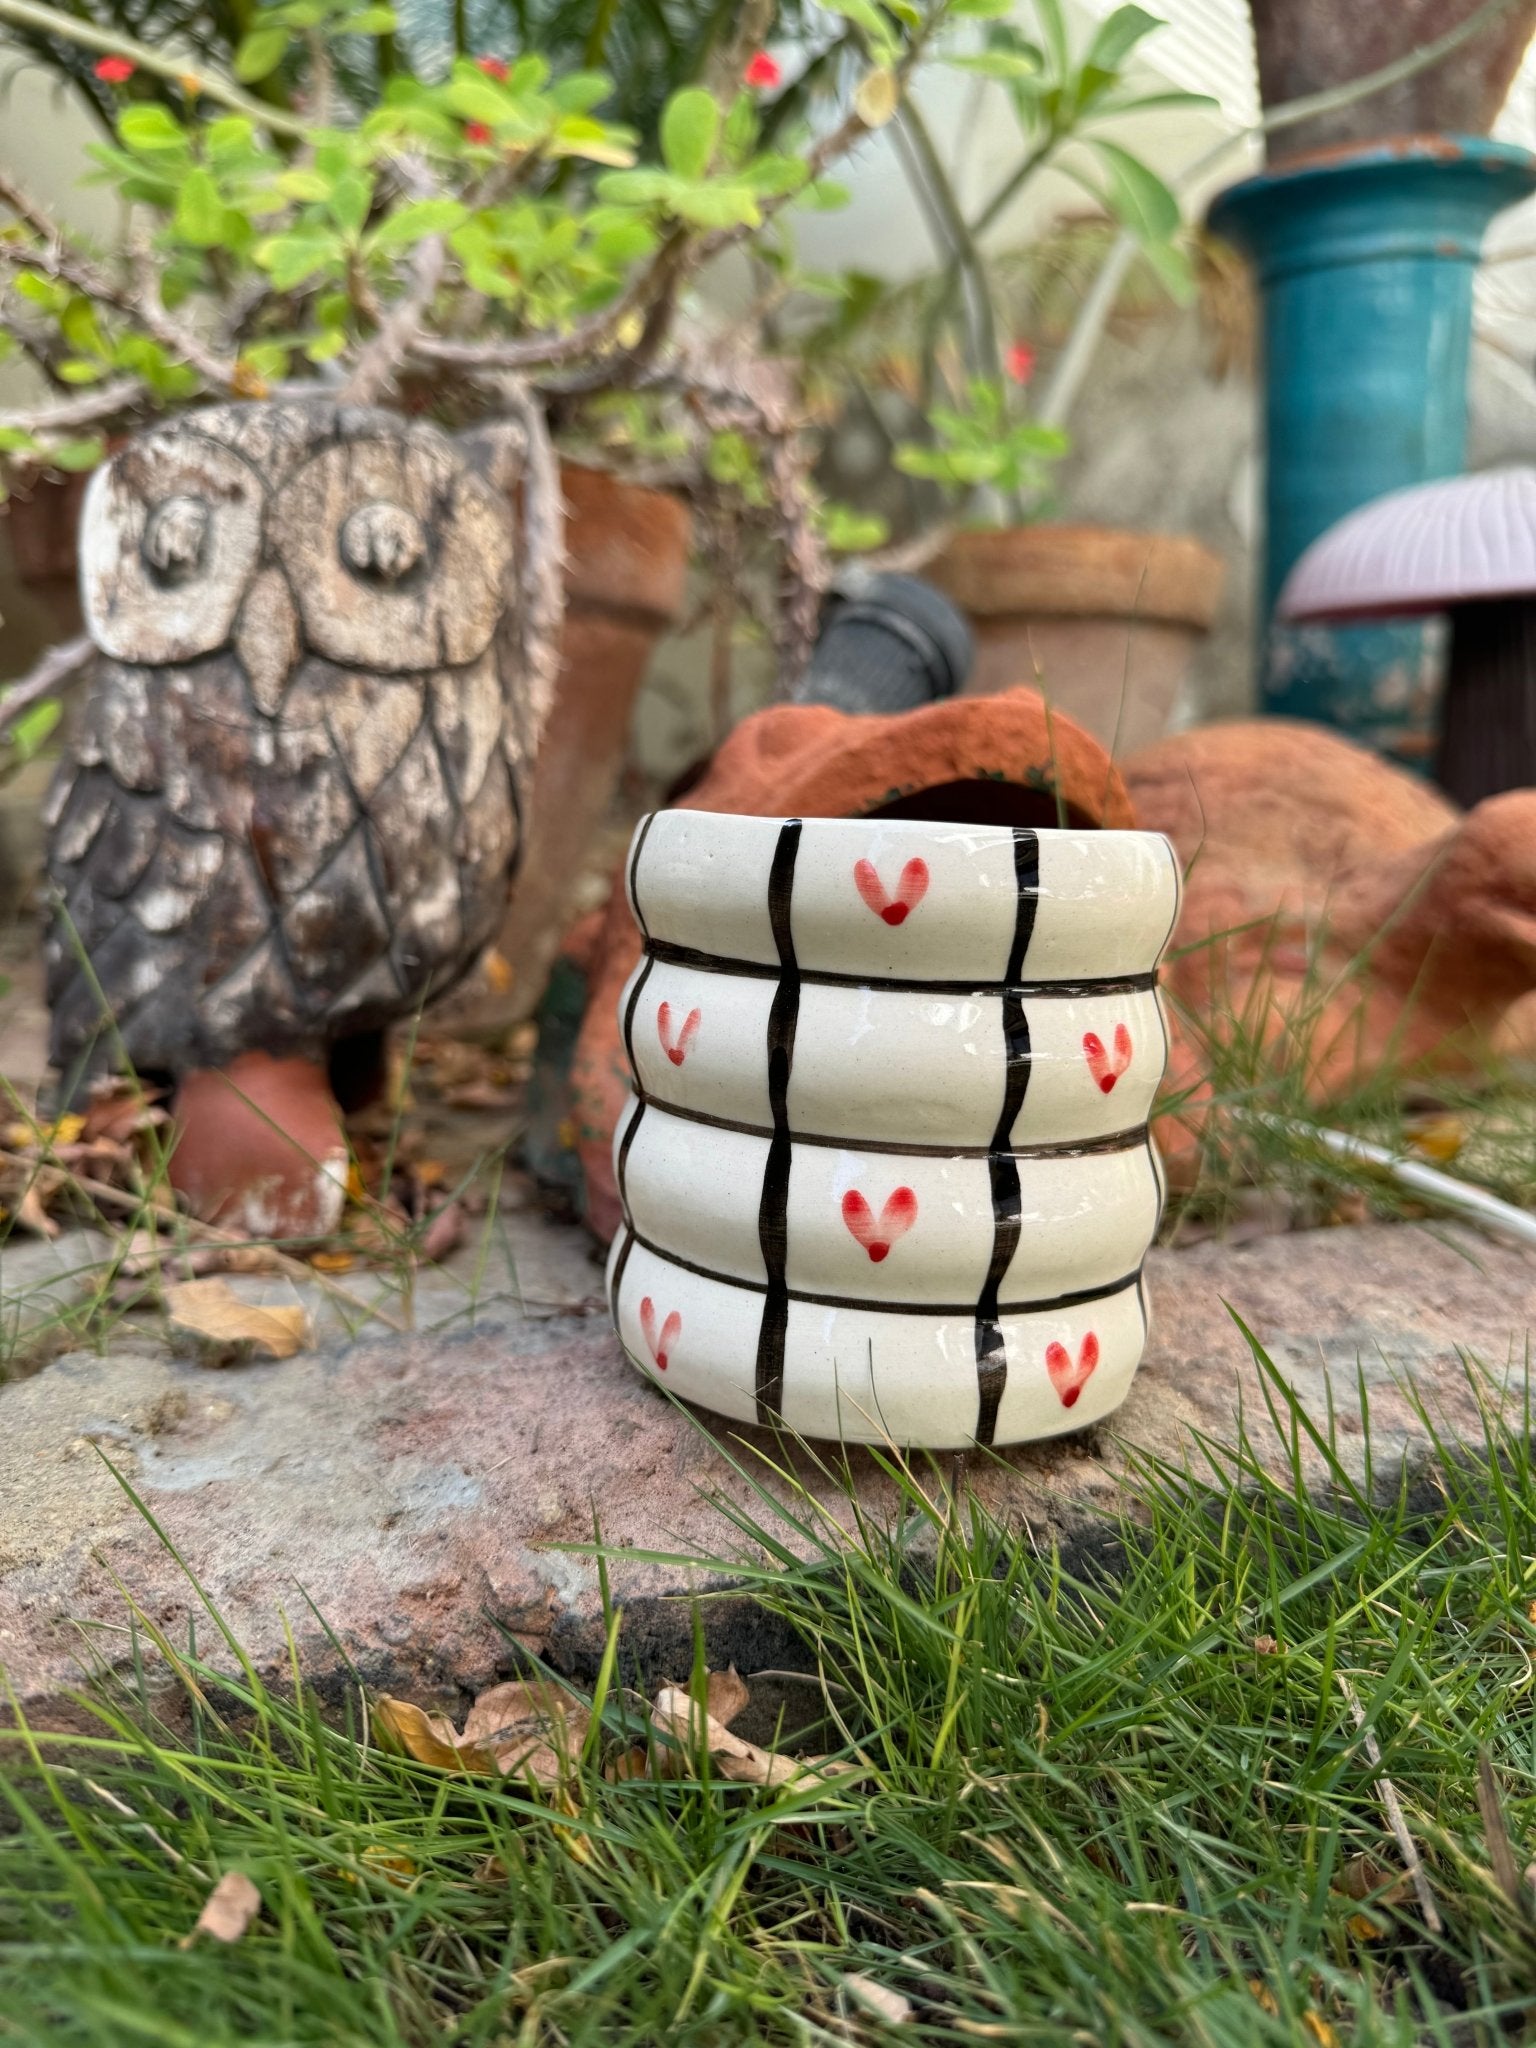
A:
[1104,622]
[625,580]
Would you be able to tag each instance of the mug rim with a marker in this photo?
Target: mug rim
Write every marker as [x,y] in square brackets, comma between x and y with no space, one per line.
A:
[999,835]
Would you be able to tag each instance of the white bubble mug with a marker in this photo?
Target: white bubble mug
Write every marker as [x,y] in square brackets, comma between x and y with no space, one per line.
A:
[886,1174]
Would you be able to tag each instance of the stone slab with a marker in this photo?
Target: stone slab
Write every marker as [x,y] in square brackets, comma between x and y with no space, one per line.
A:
[422,1491]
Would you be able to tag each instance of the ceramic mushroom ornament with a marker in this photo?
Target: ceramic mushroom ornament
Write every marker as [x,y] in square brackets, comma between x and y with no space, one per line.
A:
[1465,545]
[886,1174]
[289,812]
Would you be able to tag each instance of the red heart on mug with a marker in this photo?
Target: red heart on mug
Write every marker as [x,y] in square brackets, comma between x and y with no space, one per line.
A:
[671,1330]
[910,890]
[896,1219]
[1106,1070]
[676,1049]
[1068,1379]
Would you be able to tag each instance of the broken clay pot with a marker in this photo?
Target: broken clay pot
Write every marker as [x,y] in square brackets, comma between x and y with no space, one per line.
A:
[972,760]
[1348,913]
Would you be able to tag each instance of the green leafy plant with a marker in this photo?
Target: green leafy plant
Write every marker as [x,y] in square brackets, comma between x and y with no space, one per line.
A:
[984,448]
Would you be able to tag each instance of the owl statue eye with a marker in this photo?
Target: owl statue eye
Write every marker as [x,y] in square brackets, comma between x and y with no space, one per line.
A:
[382,542]
[176,538]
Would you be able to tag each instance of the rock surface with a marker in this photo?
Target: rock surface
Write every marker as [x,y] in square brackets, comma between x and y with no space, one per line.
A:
[424,1492]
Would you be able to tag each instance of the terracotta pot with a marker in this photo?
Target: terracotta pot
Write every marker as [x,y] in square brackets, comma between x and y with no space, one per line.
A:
[626,575]
[886,1174]
[1103,622]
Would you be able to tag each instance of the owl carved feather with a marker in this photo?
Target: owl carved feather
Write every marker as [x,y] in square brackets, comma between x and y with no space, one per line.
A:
[289,812]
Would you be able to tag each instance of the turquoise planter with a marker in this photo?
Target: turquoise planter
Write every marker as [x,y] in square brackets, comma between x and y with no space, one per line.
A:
[1364,260]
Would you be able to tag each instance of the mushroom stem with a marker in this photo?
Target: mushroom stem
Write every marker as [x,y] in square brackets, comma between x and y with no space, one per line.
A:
[1488,730]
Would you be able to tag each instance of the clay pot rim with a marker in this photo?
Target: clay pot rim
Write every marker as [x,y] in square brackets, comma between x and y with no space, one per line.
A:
[1082,570]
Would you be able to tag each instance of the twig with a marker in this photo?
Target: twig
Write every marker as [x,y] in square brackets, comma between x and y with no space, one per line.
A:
[1501,1853]
[193,77]
[93,408]
[1394,1812]
[58,667]
[1462,1196]
[106,1196]
[541,563]
[379,363]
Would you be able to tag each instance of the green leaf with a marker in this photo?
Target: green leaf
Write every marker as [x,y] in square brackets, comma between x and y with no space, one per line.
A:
[79,328]
[150,127]
[1117,36]
[980,10]
[408,224]
[260,53]
[45,292]
[199,210]
[327,345]
[1137,196]
[690,126]
[847,531]
[1173,269]
[75,455]
[289,259]
[370,21]
[595,142]
[477,98]
[29,732]
[1005,64]
[721,205]
[824,195]
[578,92]
[268,359]
[349,200]
[304,185]
[80,370]
[1053,30]
[878,32]
[638,188]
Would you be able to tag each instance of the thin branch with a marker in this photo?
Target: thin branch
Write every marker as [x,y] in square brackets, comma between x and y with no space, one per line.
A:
[95,407]
[57,669]
[1392,1805]
[541,561]
[141,306]
[192,76]
[379,363]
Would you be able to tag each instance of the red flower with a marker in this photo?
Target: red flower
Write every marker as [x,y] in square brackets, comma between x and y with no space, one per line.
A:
[494,67]
[1020,362]
[764,71]
[476,131]
[115,70]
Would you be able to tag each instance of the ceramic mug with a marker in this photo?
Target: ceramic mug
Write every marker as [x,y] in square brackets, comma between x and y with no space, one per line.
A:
[886,1174]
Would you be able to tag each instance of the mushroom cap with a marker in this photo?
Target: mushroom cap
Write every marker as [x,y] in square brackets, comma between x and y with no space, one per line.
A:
[1423,549]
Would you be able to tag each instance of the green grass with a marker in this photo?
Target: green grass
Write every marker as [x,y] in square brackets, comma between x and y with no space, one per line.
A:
[1094,1805]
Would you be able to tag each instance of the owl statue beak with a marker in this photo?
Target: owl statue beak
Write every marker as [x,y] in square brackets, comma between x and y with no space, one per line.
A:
[267,639]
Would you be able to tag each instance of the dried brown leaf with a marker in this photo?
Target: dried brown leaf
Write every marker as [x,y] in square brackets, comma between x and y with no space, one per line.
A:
[213,1312]
[530,1728]
[679,1717]
[879,1999]
[726,1696]
[1265,1646]
[228,1910]
[31,1214]
[443,1232]
[1364,1878]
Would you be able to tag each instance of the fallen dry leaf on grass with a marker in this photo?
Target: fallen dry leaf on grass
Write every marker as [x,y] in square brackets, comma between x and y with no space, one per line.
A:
[229,1909]
[879,1999]
[211,1311]
[528,1727]
[679,1717]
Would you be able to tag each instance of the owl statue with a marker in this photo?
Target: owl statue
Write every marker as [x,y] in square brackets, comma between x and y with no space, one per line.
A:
[289,813]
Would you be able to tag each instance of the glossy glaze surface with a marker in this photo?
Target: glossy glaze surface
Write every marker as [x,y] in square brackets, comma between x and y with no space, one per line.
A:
[887,1176]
